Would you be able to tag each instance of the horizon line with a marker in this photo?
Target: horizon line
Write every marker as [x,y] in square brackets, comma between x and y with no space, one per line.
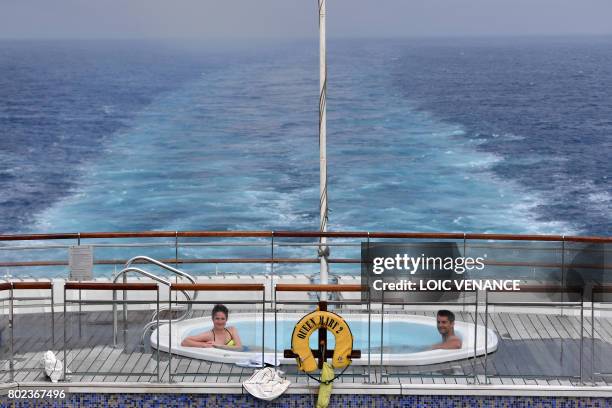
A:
[483,36]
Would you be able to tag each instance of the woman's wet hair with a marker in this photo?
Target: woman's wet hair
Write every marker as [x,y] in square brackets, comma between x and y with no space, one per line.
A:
[220,308]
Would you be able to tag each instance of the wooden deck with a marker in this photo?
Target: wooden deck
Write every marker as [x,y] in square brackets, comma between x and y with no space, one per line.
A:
[533,349]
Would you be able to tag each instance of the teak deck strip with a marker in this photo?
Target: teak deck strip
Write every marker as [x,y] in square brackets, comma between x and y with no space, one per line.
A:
[539,352]
[500,328]
[35,345]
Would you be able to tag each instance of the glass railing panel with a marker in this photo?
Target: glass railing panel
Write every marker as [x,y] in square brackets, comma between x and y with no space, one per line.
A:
[538,334]
[406,316]
[34,259]
[599,343]
[91,353]
[193,360]
[110,255]
[5,337]
[599,332]
[213,256]
[539,326]
[532,262]
[33,331]
[587,264]
[410,337]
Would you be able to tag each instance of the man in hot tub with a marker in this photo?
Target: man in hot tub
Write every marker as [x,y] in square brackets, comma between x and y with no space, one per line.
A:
[446,328]
[220,336]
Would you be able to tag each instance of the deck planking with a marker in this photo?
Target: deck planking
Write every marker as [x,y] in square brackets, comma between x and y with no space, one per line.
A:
[531,348]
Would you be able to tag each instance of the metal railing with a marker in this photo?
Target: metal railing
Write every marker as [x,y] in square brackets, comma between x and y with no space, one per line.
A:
[101,286]
[577,303]
[463,303]
[598,290]
[8,287]
[273,241]
[154,319]
[546,289]
[196,287]
[536,258]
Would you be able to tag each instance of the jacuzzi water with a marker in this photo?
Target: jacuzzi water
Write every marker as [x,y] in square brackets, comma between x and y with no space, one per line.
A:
[407,339]
[398,337]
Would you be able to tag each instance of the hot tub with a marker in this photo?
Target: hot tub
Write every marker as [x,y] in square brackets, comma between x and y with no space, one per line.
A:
[406,339]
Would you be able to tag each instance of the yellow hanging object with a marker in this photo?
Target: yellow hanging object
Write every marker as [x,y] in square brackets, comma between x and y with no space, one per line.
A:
[325,389]
[300,339]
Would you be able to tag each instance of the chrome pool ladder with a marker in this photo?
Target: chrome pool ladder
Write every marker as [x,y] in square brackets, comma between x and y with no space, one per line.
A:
[154,322]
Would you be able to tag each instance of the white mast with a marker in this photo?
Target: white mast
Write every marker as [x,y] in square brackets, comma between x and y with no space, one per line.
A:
[323,249]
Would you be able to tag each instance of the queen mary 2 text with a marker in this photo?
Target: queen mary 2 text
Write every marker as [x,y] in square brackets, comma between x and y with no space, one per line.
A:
[436,284]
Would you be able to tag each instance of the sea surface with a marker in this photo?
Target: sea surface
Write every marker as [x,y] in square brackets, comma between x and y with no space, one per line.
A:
[508,135]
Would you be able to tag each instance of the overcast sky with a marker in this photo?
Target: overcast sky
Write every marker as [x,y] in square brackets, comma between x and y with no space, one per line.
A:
[208,19]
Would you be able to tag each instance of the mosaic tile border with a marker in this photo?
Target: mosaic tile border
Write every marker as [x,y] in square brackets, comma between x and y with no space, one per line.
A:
[78,400]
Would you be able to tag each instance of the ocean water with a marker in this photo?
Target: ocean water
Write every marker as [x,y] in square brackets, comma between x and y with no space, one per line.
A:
[471,135]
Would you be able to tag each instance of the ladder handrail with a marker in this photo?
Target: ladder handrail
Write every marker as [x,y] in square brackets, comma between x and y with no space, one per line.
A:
[169,268]
[161,265]
[142,272]
[129,268]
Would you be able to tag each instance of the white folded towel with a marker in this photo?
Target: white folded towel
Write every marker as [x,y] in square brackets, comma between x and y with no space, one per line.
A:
[54,368]
[266,384]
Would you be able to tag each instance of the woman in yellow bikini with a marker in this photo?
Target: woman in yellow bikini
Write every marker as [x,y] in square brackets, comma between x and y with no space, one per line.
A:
[220,336]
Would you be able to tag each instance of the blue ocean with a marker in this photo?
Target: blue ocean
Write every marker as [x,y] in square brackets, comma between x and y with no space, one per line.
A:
[507,135]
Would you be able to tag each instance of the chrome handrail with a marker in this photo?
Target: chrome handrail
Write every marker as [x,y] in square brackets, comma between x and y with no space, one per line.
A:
[161,265]
[142,272]
[173,270]
[154,321]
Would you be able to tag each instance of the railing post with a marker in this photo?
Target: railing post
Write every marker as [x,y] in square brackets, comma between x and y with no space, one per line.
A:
[486,380]
[52,315]
[272,269]
[125,309]
[78,244]
[11,329]
[176,249]
[475,335]
[115,318]
[263,327]
[382,318]
[65,359]
[275,328]
[563,281]
[169,335]
[593,336]
[157,310]
[369,315]
[176,278]
[464,256]
[581,335]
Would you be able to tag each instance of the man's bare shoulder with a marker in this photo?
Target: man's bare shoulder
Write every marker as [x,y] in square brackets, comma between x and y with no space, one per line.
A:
[454,342]
[451,343]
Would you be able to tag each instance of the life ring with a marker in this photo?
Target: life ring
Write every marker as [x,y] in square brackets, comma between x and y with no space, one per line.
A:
[300,339]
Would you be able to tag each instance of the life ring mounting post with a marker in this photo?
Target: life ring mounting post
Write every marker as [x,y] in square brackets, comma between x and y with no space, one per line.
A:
[322,353]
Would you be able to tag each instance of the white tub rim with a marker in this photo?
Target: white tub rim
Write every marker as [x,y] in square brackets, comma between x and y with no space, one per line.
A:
[180,329]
